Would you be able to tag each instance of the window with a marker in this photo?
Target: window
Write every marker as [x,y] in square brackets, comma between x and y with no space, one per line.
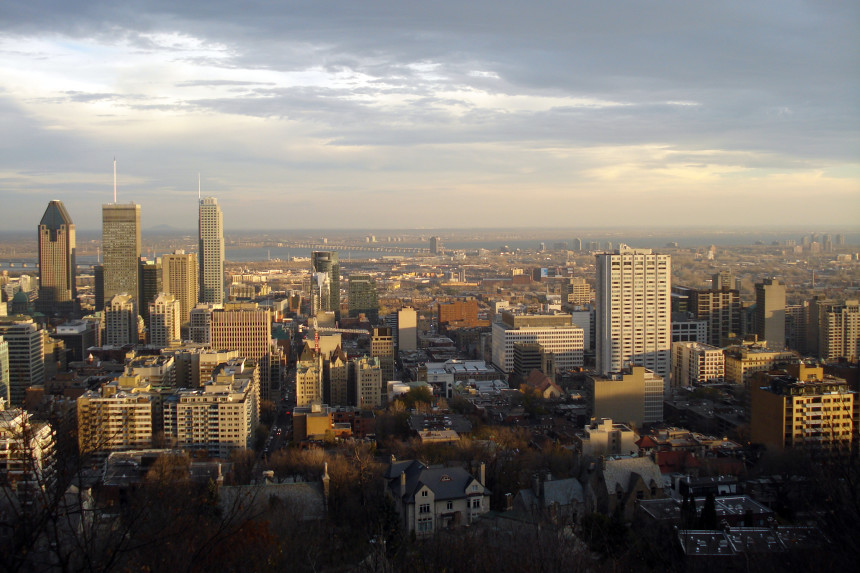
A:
[476,503]
[449,505]
[424,508]
[425,524]
[424,493]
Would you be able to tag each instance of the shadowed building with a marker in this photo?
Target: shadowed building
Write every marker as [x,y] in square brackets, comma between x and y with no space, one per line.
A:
[121,250]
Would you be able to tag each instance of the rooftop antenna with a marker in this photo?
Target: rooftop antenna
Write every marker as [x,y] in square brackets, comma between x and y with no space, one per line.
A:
[198,187]
[114,180]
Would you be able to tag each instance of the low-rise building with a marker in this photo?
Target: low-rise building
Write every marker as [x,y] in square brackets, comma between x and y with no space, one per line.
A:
[607,438]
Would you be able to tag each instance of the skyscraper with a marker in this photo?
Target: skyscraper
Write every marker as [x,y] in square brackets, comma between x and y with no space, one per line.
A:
[326,262]
[633,311]
[179,278]
[211,252]
[26,355]
[770,312]
[362,297]
[4,370]
[150,285]
[57,291]
[121,248]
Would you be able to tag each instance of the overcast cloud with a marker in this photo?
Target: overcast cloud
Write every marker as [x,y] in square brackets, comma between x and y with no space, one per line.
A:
[385,114]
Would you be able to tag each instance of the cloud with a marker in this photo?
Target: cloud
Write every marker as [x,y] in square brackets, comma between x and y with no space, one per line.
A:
[305,105]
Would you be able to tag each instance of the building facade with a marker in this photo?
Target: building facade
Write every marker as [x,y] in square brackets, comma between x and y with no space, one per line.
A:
[26,355]
[770,312]
[179,278]
[633,310]
[164,321]
[57,267]
[121,321]
[555,333]
[211,252]
[694,364]
[326,262]
[120,250]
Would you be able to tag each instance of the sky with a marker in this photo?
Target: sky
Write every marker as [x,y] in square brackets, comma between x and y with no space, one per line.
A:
[444,114]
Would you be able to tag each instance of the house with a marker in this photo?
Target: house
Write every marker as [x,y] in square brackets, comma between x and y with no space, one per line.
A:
[615,484]
[542,385]
[559,501]
[429,499]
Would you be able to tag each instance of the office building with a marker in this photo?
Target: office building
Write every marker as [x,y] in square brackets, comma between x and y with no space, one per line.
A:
[320,295]
[199,322]
[606,438]
[796,322]
[326,262]
[770,312]
[555,333]
[309,381]
[247,328]
[436,245]
[695,363]
[164,321]
[179,278]
[792,409]
[633,397]
[362,297]
[150,275]
[407,330]
[57,291]
[686,328]
[26,355]
[211,252]
[121,250]
[459,314]
[121,321]
[633,311]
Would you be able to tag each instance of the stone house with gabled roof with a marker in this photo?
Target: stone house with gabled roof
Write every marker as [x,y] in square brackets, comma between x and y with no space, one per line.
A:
[616,484]
[429,499]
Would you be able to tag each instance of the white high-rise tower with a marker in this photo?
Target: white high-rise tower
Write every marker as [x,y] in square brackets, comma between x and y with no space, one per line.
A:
[211,253]
[633,325]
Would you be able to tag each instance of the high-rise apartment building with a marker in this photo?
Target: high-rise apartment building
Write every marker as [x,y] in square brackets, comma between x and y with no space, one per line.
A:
[633,325]
[199,322]
[694,364]
[220,416]
[368,383]
[121,321]
[326,262]
[839,331]
[555,333]
[721,307]
[164,321]
[362,297]
[121,250]
[26,355]
[770,312]
[179,278]
[57,292]
[211,252]
[117,416]
[793,409]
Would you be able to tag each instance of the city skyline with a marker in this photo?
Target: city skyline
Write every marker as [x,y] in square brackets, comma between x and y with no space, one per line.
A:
[407,116]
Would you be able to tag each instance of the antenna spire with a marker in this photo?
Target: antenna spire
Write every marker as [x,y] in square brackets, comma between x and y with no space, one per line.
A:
[114,179]
[198,186]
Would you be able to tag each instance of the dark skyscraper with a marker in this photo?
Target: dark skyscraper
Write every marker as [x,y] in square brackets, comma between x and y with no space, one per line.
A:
[121,248]
[57,291]
[326,262]
[362,297]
